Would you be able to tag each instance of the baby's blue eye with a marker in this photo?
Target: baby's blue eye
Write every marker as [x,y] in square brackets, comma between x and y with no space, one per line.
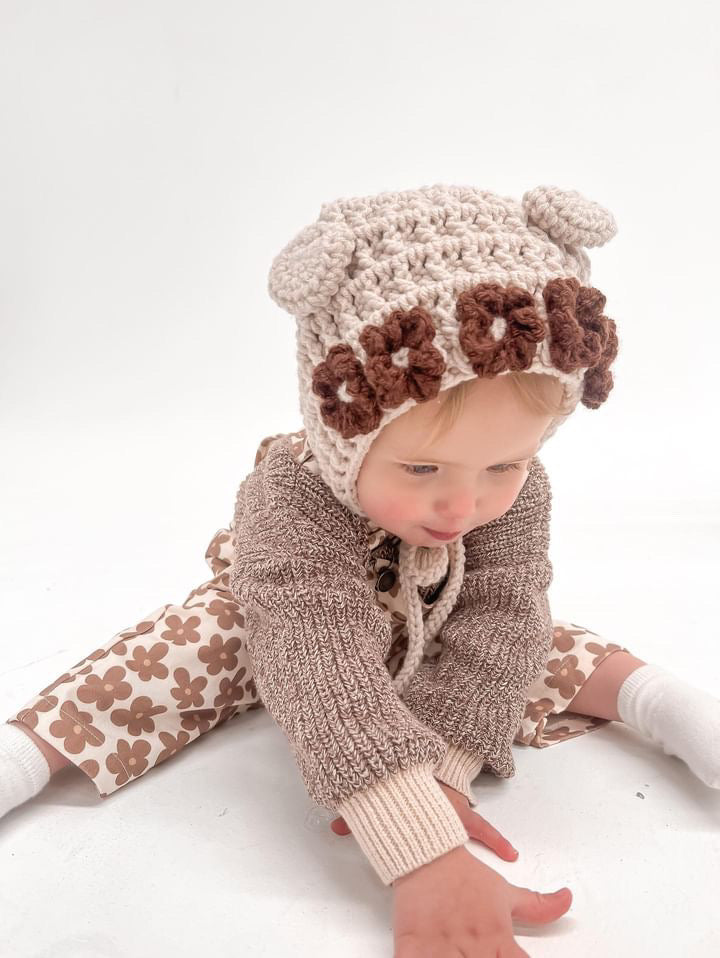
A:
[504,467]
[409,468]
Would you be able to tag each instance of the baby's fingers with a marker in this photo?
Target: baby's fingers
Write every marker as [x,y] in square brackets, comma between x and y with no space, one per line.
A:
[340,826]
[482,831]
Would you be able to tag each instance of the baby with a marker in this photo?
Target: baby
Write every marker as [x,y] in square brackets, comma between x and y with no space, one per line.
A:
[382,587]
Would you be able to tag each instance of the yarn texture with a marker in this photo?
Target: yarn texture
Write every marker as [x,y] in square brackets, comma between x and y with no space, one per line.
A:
[319,641]
[401,295]
[397,297]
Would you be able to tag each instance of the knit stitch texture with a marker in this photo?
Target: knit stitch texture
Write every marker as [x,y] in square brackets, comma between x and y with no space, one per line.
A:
[318,643]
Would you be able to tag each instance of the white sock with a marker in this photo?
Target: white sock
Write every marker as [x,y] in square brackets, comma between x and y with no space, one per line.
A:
[24,770]
[684,720]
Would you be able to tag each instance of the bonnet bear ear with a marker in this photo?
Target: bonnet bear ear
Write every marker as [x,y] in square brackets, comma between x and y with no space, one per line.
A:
[308,272]
[569,217]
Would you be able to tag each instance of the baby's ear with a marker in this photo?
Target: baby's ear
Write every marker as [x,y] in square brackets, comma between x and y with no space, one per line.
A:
[308,272]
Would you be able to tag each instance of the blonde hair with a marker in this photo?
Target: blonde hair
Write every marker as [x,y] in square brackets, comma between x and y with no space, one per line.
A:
[539,392]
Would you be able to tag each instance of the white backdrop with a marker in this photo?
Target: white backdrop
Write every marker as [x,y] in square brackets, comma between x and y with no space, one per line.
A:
[156,155]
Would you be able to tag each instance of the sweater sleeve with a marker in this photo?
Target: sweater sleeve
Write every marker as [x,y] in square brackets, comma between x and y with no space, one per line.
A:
[315,640]
[495,642]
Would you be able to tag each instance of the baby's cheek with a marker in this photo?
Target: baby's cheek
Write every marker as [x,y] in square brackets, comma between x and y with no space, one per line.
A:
[505,500]
[402,508]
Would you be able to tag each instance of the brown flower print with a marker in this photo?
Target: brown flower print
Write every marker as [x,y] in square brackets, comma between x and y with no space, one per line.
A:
[99,654]
[521,328]
[564,639]
[602,651]
[128,761]
[142,627]
[566,677]
[212,554]
[219,653]
[348,402]
[538,709]
[91,769]
[106,689]
[76,729]
[147,663]
[561,732]
[227,713]
[228,614]
[179,631]
[213,585]
[419,378]
[172,743]
[138,718]
[201,590]
[188,691]
[67,677]
[231,691]
[580,335]
[199,720]
[29,717]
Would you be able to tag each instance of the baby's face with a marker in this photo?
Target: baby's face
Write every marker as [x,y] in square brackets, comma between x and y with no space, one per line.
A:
[466,478]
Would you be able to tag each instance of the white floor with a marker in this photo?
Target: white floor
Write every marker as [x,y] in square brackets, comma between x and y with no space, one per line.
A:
[219,850]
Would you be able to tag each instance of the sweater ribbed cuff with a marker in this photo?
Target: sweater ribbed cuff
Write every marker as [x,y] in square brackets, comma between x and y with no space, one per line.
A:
[458,768]
[403,822]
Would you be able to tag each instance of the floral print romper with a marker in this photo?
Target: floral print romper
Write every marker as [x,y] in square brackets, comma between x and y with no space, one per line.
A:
[157,686]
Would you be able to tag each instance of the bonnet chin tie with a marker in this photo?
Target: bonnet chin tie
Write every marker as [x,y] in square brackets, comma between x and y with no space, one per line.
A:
[421,566]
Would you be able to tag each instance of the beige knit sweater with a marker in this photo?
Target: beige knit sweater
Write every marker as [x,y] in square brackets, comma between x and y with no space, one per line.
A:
[318,646]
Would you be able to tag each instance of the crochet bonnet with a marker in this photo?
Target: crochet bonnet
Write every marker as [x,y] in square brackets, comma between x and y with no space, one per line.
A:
[400,295]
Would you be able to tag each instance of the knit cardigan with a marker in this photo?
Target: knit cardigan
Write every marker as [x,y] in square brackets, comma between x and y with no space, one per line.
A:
[317,641]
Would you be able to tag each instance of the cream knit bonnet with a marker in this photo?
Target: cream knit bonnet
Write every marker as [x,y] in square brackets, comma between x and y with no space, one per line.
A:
[400,295]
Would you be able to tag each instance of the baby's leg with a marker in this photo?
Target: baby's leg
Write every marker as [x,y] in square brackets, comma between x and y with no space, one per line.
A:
[683,720]
[56,760]
[142,697]
[599,694]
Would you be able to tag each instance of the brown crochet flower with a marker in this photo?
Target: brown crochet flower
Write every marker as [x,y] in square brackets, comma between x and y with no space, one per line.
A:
[581,336]
[360,413]
[419,377]
[478,307]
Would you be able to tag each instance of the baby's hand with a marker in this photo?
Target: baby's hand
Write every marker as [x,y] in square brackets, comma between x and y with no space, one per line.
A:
[456,905]
[476,826]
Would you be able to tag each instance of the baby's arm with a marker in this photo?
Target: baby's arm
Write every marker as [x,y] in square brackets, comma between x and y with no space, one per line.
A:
[495,641]
[316,638]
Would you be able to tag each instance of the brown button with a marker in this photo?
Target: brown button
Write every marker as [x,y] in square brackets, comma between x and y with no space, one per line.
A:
[385,581]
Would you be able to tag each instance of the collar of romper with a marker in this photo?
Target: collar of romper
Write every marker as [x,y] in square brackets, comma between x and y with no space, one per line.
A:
[420,566]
